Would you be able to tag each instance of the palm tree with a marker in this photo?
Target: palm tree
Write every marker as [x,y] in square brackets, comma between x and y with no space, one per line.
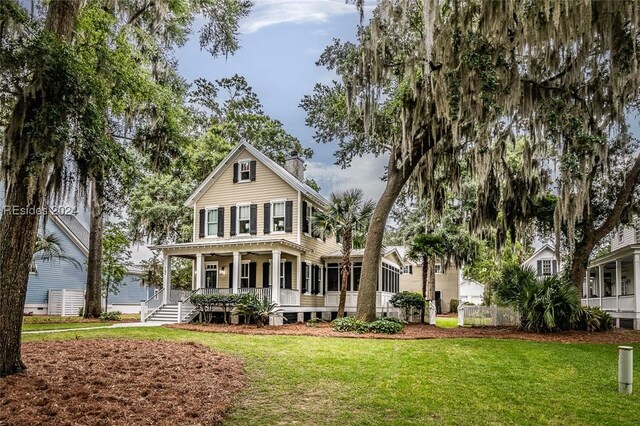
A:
[425,248]
[347,218]
[48,249]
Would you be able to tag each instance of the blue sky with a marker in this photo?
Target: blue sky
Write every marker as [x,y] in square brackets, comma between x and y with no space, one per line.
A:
[280,42]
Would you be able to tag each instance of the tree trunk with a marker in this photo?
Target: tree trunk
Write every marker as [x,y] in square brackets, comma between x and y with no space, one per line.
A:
[93,295]
[591,237]
[346,268]
[27,158]
[432,278]
[373,246]
[18,233]
[425,278]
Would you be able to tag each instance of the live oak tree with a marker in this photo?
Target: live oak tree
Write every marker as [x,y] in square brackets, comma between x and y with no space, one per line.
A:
[459,81]
[56,105]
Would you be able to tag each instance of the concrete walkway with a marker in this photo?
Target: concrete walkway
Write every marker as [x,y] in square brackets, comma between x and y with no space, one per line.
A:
[123,325]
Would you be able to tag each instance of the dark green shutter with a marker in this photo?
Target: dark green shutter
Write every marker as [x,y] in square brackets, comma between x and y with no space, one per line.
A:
[220,221]
[232,227]
[539,267]
[287,274]
[288,220]
[202,220]
[235,172]
[252,274]
[304,277]
[231,275]
[266,270]
[267,218]
[252,170]
[253,219]
[305,218]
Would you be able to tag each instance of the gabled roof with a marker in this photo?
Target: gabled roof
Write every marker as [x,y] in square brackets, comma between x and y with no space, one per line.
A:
[540,250]
[360,252]
[73,229]
[268,162]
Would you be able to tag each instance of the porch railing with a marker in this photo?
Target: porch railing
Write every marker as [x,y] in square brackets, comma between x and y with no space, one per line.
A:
[152,304]
[289,297]
[261,293]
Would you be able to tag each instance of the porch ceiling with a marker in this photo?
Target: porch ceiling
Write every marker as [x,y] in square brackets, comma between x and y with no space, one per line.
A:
[228,247]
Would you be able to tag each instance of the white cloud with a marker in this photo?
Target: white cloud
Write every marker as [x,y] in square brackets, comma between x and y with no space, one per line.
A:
[364,173]
[266,13]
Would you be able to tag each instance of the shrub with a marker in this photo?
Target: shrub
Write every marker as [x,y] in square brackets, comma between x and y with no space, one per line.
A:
[548,304]
[385,325]
[594,319]
[110,316]
[406,300]
[81,312]
[251,306]
[205,303]
[453,305]
[313,322]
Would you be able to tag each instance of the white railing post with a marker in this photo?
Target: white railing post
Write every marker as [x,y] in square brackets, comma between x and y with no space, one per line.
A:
[179,311]
[460,316]
[143,305]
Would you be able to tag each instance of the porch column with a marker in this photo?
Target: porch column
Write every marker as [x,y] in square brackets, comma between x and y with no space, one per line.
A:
[237,259]
[636,282]
[587,283]
[600,284]
[618,283]
[166,278]
[275,276]
[199,271]
[299,275]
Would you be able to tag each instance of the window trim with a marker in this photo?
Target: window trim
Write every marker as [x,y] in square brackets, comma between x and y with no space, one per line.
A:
[207,209]
[550,264]
[273,216]
[240,163]
[437,268]
[621,235]
[307,277]
[238,206]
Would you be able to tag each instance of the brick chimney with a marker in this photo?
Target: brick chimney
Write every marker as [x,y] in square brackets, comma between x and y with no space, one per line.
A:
[295,165]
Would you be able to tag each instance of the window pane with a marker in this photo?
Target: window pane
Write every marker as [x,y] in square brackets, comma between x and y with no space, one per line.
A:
[278,209]
[244,212]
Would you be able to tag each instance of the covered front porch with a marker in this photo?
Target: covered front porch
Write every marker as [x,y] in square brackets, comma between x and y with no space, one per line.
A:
[235,267]
[612,283]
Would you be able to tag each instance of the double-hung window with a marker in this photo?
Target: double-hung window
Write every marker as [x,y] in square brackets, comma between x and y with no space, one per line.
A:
[438,268]
[278,219]
[212,222]
[244,275]
[244,219]
[244,171]
[546,267]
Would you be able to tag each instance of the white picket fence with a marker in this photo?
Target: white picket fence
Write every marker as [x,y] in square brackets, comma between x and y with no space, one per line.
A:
[492,316]
[65,302]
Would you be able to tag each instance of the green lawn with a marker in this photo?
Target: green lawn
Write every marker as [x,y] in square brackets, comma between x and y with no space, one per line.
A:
[330,381]
[46,319]
[447,322]
[62,325]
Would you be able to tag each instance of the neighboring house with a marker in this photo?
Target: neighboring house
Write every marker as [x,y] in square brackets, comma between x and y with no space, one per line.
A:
[471,292]
[252,234]
[447,281]
[612,281]
[544,261]
[47,281]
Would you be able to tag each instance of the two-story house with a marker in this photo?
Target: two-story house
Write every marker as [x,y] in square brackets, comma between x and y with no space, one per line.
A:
[612,281]
[253,234]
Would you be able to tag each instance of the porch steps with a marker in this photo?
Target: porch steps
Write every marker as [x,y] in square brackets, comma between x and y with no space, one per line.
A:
[169,314]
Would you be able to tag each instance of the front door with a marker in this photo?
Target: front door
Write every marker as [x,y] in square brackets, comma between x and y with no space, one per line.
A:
[211,275]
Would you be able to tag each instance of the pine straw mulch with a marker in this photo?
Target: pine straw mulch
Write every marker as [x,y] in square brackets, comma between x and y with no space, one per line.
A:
[420,331]
[118,382]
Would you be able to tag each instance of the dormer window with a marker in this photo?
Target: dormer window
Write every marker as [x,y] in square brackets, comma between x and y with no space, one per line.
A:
[244,171]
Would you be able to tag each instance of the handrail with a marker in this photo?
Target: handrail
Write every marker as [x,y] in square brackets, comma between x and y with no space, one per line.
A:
[155,295]
[186,299]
